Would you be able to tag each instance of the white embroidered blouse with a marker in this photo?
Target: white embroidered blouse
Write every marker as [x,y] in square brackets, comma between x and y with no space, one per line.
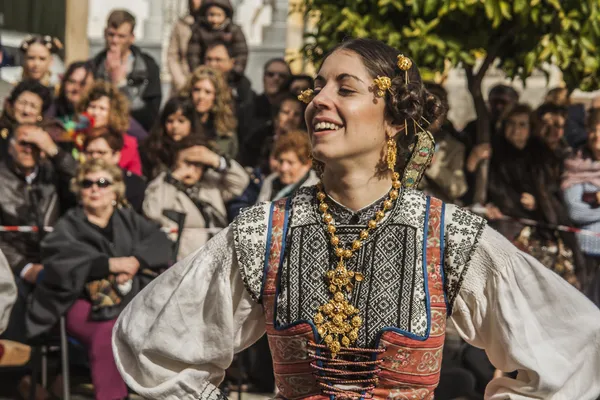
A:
[177,337]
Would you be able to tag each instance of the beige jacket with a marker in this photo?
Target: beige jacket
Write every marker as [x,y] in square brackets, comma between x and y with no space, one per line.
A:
[8,292]
[216,189]
[445,177]
[177,52]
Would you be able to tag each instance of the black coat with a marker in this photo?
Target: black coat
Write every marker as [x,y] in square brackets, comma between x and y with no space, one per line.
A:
[77,252]
[143,87]
[135,188]
[38,203]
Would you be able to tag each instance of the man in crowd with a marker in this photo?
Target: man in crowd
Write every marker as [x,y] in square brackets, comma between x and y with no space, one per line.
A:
[135,73]
[218,55]
[35,190]
[500,98]
[276,75]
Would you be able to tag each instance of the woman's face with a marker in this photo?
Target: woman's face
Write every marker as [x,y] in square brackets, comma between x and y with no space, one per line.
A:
[203,96]
[28,108]
[38,60]
[594,140]
[289,116]
[517,130]
[100,149]
[345,120]
[290,168]
[77,84]
[97,191]
[100,110]
[178,126]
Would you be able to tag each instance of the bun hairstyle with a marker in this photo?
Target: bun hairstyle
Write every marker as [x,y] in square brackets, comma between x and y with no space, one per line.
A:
[404,101]
[53,44]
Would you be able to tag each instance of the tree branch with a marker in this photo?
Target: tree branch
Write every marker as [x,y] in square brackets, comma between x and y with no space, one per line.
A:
[493,52]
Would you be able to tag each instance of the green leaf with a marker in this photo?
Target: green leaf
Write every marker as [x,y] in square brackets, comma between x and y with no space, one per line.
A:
[555,4]
[505,9]
[587,44]
[430,7]
[519,6]
[490,9]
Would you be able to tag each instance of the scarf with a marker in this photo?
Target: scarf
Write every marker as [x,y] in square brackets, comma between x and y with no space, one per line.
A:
[580,170]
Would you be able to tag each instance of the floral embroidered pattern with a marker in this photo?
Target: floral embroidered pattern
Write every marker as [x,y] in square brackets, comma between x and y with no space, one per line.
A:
[462,233]
[250,239]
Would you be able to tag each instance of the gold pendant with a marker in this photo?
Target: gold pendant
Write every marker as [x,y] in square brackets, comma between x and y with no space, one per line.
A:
[336,320]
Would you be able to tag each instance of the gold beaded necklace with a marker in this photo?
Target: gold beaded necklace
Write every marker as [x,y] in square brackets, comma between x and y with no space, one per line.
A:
[337,320]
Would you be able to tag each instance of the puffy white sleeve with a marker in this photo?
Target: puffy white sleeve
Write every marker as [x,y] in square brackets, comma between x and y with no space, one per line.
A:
[8,292]
[528,319]
[177,337]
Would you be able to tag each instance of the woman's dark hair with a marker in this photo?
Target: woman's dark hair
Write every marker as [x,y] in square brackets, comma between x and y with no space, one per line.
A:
[593,119]
[64,108]
[33,86]
[186,143]
[51,43]
[190,141]
[114,139]
[302,77]
[502,90]
[405,102]
[277,60]
[516,109]
[159,148]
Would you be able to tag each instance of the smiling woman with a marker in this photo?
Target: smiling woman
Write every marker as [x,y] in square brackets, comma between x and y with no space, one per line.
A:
[353,279]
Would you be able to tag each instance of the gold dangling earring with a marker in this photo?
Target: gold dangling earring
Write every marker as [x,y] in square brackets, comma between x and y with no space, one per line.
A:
[391,154]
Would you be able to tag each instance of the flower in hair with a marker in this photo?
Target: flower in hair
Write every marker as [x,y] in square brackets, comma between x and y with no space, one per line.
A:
[306,96]
[383,83]
[404,63]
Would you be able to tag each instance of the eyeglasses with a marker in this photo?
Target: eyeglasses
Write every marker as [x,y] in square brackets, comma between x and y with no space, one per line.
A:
[101,183]
[273,74]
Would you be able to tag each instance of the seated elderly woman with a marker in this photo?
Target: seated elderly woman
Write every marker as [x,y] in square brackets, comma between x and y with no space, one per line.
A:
[292,154]
[98,257]
[198,184]
[107,145]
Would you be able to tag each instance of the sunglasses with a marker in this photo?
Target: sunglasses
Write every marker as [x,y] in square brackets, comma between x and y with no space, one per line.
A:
[272,74]
[101,183]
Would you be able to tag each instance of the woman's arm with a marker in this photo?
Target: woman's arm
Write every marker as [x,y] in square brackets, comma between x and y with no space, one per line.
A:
[8,292]
[580,212]
[234,180]
[177,337]
[528,319]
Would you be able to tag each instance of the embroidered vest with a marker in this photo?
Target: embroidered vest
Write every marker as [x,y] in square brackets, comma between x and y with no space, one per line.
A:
[408,366]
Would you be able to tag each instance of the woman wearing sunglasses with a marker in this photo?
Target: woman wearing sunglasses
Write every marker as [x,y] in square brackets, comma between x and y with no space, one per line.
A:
[97,258]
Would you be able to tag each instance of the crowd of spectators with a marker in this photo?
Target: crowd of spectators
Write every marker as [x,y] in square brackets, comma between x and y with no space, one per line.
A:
[128,188]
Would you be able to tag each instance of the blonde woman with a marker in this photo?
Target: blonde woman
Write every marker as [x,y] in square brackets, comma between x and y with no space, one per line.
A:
[98,257]
[213,102]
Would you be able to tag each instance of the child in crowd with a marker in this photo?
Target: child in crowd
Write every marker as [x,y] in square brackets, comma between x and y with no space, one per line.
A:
[216,23]
[175,123]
